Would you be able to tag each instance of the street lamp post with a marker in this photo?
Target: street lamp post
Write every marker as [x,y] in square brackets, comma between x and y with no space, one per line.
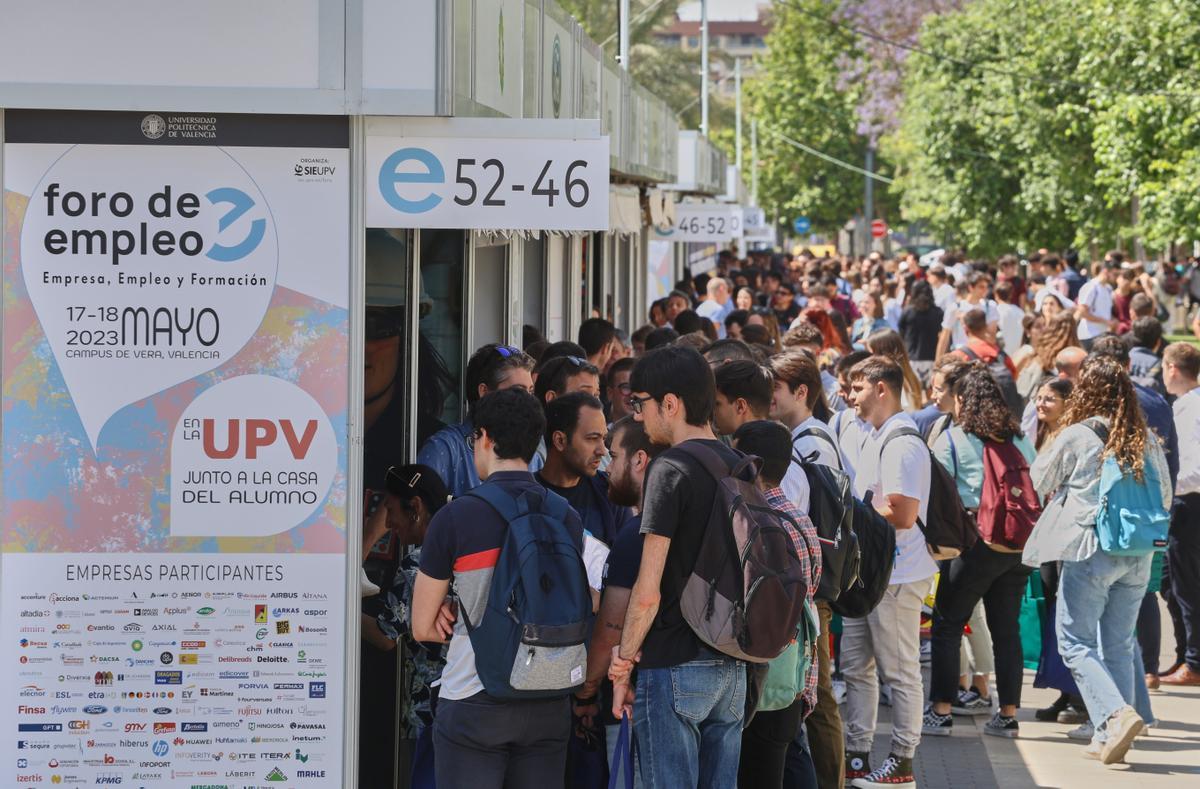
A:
[704,67]
[624,35]
[737,83]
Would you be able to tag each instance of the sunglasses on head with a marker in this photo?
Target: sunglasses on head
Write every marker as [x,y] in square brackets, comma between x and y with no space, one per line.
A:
[507,351]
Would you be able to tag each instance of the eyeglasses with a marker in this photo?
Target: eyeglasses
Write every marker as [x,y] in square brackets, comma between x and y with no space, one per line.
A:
[625,388]
[471,439]
[635,403]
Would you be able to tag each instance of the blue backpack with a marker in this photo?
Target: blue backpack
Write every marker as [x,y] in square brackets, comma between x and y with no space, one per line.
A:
[1131,519]
[531,641]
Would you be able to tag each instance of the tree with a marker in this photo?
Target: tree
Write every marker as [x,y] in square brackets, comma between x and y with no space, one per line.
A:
[798,93]
[878,64]
[1029,124]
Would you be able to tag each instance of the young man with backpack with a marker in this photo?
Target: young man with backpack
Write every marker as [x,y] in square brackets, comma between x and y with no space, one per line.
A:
[989,460]
[980,346]
[894,475]
[691,698]
[790,691]
[743,395]
[799,395]
[513,551]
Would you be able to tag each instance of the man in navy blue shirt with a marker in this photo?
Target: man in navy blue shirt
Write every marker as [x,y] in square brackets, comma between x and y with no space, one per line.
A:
[631,455]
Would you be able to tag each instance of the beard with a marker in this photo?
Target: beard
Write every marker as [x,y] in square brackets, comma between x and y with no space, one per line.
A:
[622,492]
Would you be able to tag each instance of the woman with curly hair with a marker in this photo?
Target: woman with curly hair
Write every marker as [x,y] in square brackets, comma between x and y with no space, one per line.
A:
[887,342]
[984,427]
[1099,593]
[1055,334]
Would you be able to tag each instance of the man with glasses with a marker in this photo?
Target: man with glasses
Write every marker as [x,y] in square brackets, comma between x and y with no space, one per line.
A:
[492,368]
[673,393]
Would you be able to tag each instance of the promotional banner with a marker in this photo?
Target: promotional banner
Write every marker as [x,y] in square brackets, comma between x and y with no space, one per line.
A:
[175,422]
[703,222]
[487,184]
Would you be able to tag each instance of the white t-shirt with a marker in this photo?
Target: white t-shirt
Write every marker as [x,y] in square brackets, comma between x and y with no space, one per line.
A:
[1012,319]
[1097,295]
[795,487]
[944,296]
[850,432]
[952,319]
[904,470]
[827,451]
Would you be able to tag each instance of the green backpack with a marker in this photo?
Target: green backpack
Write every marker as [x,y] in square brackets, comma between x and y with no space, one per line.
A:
[786,673]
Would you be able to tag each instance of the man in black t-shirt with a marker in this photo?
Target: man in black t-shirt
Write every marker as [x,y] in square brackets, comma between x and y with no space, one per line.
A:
[690,699]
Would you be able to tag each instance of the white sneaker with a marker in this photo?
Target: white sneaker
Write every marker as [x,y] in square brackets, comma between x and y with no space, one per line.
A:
[1082,732]
[1121,728]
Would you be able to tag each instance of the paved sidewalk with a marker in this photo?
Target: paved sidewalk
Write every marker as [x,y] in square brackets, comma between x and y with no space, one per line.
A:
[1167,756]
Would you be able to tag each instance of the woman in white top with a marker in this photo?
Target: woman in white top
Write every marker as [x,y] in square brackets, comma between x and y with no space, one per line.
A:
[1099,593]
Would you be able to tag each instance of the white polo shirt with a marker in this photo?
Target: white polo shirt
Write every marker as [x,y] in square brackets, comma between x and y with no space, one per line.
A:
[1097,295]
[952,319]
[905,470]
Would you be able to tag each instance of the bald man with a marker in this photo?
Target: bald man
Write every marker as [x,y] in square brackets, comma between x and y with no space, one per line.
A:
[1066,364]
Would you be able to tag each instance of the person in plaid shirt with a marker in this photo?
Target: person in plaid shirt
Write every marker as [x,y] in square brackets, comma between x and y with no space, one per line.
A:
[765,741]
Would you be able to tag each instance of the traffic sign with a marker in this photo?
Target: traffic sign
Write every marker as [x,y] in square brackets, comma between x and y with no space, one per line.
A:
[801,225]
[878,228]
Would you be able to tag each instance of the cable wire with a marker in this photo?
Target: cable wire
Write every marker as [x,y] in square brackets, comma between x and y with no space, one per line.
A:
[825,156]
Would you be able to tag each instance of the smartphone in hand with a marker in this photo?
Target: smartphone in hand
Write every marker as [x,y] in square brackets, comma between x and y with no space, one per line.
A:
[374,499]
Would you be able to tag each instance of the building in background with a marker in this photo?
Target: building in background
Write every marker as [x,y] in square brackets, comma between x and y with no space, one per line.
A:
[736,29]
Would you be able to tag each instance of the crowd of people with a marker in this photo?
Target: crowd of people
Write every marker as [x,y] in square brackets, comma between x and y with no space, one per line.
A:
[1010,431]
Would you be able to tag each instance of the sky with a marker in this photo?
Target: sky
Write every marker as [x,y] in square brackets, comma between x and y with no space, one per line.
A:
[724,10]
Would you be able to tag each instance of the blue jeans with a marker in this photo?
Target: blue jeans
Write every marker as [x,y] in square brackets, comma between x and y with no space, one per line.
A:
[688,722]
[1098,601]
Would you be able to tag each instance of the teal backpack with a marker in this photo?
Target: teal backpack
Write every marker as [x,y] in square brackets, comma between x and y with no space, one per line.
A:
[786,673]
[1131,519]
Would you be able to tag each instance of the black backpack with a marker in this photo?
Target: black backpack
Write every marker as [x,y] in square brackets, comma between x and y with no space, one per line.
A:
[831,509]
[949,530]
[1008,385]
[875,539]
[747,591]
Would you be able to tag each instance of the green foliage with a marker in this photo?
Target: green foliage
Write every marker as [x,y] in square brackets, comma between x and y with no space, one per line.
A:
[796,93]
[1041,120]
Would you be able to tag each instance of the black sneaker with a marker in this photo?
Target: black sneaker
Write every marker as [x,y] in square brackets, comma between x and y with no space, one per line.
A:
[894,773]
[969,702]
[1000,726]
[935,725]
[1050,714]
[858,765]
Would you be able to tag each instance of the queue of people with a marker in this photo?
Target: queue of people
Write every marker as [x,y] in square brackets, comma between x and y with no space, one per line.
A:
[873,432]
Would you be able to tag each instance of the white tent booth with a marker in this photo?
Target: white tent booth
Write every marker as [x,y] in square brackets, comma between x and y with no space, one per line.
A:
[213,218]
